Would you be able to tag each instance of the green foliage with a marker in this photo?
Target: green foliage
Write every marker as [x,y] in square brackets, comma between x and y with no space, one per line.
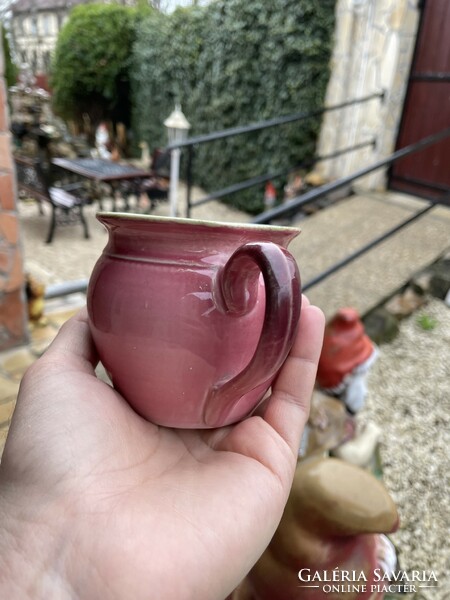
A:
[90,68]
[426,322]
[164,69]
[11,70]
[232,63]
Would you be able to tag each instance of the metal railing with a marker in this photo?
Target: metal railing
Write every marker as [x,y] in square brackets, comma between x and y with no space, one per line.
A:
[295,204]
[248,183]
[192,142]
[292,207]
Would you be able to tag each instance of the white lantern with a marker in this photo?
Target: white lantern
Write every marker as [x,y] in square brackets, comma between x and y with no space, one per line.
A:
[177,129]
[177,126]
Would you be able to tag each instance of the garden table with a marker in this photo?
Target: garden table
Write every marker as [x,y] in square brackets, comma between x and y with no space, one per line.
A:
[105,171]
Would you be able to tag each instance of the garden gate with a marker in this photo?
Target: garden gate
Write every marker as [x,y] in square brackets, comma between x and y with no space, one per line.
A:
[427,108]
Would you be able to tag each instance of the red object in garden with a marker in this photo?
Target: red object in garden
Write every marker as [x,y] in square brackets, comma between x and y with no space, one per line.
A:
[346,345]
[43,82]
[270,195]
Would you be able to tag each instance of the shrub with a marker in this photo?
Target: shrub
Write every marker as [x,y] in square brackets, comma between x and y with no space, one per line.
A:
[232,63]
[90,67]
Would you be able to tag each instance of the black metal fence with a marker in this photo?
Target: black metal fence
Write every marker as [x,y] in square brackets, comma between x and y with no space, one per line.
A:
[295,204]
[292,207]
[192,142]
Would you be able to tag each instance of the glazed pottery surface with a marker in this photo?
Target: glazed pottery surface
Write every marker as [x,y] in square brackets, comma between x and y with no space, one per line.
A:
[192,319]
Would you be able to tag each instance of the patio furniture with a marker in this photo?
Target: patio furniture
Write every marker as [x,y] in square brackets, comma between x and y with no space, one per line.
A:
[122,179]
[156,187]
[66,202]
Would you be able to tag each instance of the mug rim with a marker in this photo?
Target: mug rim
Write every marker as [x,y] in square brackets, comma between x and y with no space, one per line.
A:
[203,222]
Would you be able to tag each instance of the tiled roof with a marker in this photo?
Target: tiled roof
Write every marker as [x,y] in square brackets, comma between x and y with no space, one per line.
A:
[25,6]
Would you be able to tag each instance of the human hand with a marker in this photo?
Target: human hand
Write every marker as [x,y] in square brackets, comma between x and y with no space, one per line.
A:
[96,502]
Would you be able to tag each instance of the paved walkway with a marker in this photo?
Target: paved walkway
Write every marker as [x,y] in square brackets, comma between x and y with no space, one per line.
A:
[14,363]
[327,236]
[339,230]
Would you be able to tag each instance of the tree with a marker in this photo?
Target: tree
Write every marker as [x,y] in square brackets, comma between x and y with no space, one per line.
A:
[90,67]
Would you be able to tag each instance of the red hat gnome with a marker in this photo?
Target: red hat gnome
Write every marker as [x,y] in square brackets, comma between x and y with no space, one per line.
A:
[347,355]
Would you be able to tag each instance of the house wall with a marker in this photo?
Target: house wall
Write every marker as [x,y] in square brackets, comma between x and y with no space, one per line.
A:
[35,36]
[13,323]
[373,51]
[35,29]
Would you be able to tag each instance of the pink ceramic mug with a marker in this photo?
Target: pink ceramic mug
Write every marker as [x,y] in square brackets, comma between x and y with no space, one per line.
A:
[189,331]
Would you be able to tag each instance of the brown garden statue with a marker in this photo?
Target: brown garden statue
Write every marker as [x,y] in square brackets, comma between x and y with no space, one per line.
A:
[329,542]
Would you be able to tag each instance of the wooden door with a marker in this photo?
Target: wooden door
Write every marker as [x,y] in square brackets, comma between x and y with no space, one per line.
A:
[427,109]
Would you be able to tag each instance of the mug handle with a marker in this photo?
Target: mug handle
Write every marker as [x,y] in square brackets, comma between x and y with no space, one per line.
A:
[283,303]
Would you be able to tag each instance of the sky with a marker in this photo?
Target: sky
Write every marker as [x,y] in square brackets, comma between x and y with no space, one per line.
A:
[4,5]
[168,5]
[172,4]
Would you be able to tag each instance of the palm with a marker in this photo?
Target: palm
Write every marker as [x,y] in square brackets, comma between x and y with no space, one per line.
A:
[147,501]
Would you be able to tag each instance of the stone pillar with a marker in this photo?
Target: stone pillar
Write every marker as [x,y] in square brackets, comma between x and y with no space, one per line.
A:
[374,43]
[13,320]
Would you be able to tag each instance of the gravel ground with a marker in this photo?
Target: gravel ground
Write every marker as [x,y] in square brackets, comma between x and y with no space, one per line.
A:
[409,397]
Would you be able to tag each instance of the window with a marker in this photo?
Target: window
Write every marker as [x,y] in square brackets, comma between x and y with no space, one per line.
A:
[20,30]
[47,61]
[46,24]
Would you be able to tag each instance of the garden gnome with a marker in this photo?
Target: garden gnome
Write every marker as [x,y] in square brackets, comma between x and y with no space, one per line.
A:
[329,425]
[294,187]
[332,522]
[346,358]
[360,449]
[35,292]
[332,430]
[270,195]
[102,141]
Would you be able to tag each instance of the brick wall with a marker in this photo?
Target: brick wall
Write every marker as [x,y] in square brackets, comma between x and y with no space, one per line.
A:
[13,324]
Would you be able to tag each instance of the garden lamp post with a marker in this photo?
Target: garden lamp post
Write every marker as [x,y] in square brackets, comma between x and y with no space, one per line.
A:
[177,129]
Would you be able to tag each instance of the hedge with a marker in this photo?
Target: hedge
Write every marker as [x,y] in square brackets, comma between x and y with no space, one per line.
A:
[232,63]
[91,63]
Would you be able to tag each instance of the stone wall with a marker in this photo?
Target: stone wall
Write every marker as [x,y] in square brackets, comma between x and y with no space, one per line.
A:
[13,324]
[373,50]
